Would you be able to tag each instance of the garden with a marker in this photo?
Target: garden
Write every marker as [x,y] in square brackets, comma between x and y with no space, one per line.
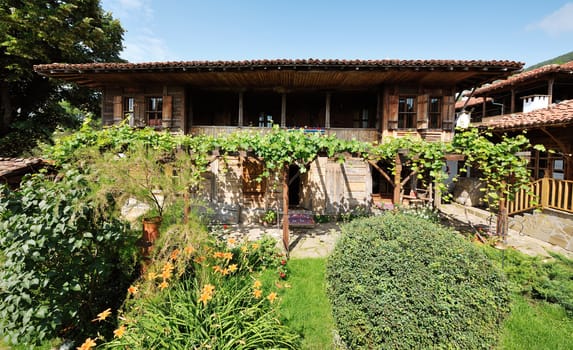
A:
[74,272]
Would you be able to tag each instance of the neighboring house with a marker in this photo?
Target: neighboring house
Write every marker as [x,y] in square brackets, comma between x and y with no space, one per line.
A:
[526,91]
[552,172]
[538,101]
[366,100]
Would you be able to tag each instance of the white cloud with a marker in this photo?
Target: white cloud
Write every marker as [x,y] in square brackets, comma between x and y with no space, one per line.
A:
[127,9]
[558,22]
[141,43]
[145,48]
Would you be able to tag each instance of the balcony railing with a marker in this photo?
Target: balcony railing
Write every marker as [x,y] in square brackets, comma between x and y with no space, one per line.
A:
[366,135]
[546,193]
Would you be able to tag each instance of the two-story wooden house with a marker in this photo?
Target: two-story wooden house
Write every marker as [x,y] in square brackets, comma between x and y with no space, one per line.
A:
[368,100]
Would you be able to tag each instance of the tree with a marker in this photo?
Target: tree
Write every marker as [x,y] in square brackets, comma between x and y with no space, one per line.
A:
[37,32]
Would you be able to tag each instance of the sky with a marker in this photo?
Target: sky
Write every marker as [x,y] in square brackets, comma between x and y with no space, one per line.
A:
[528,31]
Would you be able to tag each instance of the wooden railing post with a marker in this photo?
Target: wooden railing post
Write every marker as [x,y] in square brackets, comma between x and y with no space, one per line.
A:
[545,191]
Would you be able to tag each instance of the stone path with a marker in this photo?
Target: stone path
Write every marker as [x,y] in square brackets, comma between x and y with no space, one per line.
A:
[320,240]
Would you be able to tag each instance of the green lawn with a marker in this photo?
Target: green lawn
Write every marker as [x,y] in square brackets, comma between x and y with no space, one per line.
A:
[537,326]
[305,306]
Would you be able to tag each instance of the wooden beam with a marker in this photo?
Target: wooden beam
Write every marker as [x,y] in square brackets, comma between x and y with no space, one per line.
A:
[560,144]
[550,89]
[382,172]
[407,178]
[285,210]
[283,110]
[327,111]
[296,176]
[397,187]
[241,121]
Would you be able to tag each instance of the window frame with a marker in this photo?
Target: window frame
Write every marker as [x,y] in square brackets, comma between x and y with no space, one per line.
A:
[405,116]
[435,115]
[128,107]
[154,110]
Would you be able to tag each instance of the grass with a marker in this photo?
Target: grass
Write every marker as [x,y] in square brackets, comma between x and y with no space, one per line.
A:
[537,326]
[532,324]
[305,306]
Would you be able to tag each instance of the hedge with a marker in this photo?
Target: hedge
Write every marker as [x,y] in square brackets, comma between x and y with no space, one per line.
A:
[401,282]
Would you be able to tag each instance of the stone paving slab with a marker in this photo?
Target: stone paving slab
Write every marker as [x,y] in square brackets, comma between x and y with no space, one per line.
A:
[320,240]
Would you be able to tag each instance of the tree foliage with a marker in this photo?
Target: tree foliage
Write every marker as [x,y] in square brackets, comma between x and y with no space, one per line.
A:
[37,32]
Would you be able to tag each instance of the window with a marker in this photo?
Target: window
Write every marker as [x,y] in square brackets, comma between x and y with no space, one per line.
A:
[435,113]
[361,119]
[407,112]
[252,171]
[154,111]
[128,109]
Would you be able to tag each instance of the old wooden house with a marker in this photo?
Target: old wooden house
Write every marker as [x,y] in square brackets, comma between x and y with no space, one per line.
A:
[368,100]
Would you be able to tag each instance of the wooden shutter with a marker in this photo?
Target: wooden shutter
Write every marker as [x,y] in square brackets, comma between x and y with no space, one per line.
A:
[393,111]
[117,109]
[167,112]
[252,169]
[448,114]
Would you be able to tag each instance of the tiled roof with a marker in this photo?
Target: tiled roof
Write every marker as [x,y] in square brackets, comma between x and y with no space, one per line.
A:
[278,63]
[525,76]
[556,114]
[10,166]
[472,102]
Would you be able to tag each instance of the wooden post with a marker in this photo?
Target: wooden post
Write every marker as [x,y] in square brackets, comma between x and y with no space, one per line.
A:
[397,181]
[545,191]
[550,89]
[241,116]
[327,111]
[283,110]
[512,106]
[285,209]
[502,219]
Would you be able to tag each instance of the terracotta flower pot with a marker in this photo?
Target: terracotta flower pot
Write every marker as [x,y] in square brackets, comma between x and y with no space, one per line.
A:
[149,235]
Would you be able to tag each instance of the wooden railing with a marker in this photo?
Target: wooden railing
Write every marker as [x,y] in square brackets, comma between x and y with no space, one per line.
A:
[366,135]
[545,193]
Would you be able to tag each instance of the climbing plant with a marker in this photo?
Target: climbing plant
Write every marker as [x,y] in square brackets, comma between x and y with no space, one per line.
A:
[503,170]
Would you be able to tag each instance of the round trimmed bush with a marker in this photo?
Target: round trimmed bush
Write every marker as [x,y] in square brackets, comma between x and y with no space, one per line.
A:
[401,282]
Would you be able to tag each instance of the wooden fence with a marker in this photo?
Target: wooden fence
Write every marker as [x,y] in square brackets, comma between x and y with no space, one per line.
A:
[545,193]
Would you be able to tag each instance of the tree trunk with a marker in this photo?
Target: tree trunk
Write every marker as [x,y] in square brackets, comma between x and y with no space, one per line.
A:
[502,219]
[5,108]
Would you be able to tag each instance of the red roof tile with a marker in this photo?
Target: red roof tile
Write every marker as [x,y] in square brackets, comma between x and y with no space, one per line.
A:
[525,76]
[277,63]
[556,114]
[10,166]
[472,102]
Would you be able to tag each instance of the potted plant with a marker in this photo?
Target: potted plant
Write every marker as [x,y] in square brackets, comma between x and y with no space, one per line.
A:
[269,217]
[149,175]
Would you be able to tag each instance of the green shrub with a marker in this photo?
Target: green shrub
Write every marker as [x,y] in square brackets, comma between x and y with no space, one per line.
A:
[397,281]
[62,264]
[537,277]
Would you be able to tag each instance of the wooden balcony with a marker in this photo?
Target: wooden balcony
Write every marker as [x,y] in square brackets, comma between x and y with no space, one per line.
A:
[365,135]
